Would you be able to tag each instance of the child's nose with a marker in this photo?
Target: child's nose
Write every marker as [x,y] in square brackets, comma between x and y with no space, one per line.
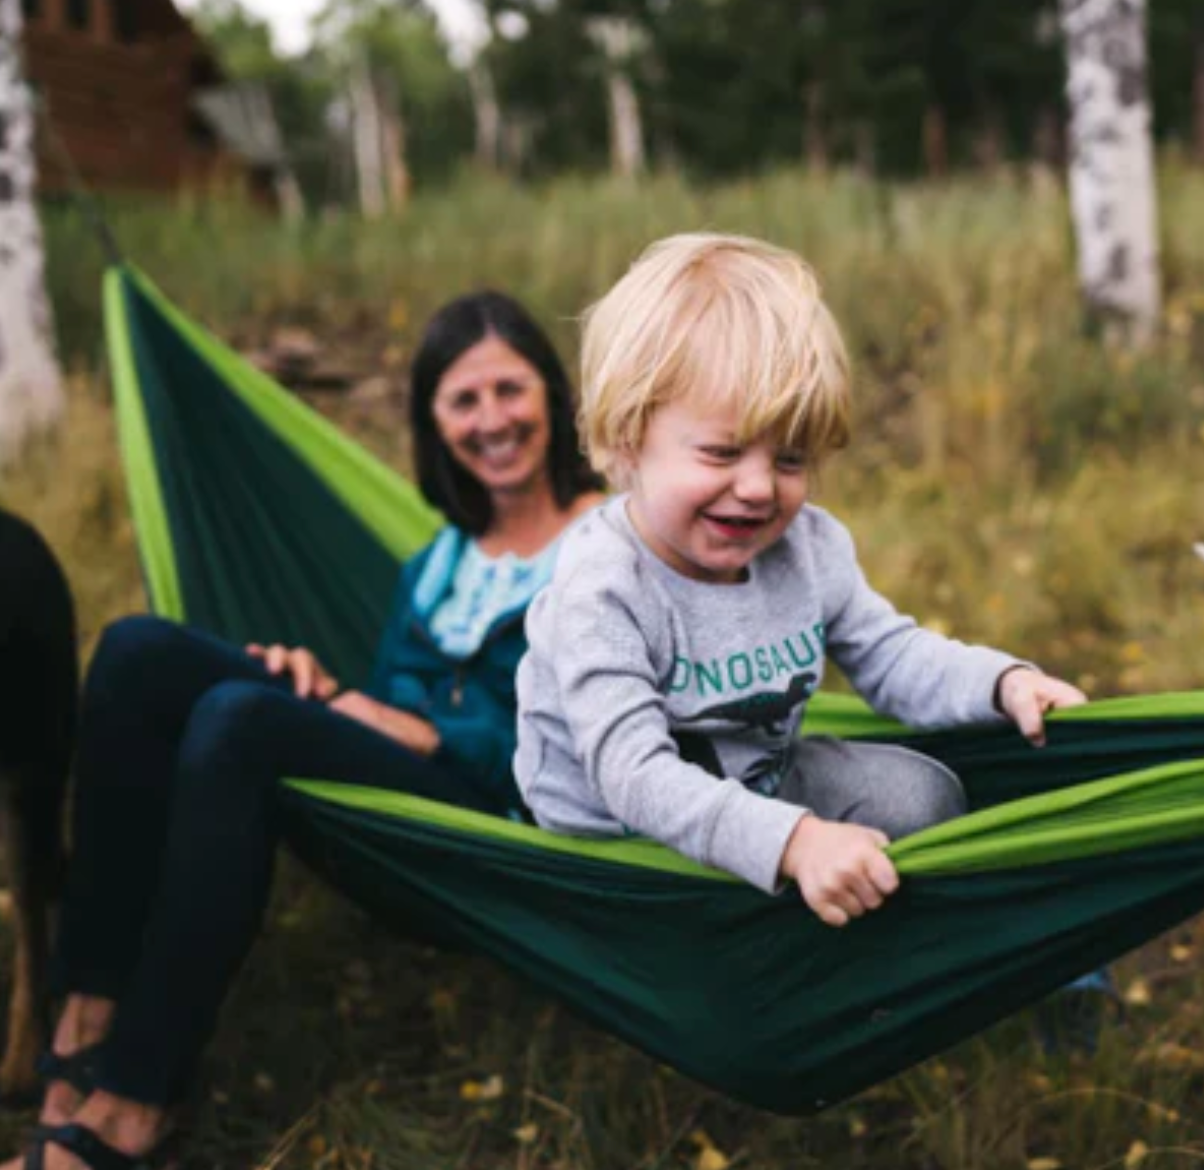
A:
[755,480]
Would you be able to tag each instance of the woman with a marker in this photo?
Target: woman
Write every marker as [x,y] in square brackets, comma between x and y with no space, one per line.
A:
[183,739]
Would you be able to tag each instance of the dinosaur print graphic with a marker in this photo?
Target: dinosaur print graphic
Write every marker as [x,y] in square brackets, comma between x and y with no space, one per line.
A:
[768,710]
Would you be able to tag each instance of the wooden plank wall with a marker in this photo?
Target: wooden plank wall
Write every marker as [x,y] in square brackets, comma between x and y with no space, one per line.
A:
[122,110]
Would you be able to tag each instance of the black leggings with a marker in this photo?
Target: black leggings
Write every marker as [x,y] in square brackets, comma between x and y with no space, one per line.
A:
[183,739]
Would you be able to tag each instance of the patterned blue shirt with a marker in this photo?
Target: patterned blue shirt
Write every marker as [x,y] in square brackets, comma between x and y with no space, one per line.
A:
[483,589]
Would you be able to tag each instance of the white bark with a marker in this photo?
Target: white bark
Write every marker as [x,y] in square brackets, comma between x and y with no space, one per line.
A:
[366,143]
[1111,164]
[31,388]
[393,146]
[620,40]
[626,127]
[487,114]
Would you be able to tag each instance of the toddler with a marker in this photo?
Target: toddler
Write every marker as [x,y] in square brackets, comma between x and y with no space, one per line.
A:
[690,618]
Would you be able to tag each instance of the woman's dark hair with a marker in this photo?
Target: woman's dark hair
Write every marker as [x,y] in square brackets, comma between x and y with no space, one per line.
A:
[452,331]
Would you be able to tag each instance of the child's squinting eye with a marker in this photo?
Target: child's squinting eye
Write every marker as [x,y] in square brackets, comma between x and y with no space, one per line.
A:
[791,461]
[724,453]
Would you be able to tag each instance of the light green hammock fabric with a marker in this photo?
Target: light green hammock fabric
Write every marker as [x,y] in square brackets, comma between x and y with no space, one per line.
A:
[257,520]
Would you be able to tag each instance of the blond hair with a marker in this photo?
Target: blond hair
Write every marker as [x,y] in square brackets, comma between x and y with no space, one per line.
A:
[722,317]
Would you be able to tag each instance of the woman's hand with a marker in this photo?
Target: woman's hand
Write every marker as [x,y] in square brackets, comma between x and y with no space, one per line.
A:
[408,730]
[1026,694]
[310,678]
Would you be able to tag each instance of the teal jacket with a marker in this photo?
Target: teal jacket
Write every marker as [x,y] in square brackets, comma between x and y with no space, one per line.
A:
[470,701]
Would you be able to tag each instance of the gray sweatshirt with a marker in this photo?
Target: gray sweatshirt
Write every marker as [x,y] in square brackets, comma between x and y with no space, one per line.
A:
[653,704]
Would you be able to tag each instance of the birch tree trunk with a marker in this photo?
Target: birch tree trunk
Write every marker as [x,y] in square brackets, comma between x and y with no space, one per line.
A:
[1111,165]
[393,145]
[487,115]
[626,127]
[620,40]
[366,142]
[31,389]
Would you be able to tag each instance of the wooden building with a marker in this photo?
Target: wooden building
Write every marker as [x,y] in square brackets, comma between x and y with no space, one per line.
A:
[119,81]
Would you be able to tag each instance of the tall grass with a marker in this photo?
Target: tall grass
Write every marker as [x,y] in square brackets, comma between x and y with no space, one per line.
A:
[1009,481]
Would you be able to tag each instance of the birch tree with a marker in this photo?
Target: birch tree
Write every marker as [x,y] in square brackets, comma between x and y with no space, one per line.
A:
[620,41]
[31,394]
[487,115]
[1111,164]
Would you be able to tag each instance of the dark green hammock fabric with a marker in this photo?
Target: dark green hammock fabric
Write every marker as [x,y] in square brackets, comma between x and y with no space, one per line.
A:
[257,520]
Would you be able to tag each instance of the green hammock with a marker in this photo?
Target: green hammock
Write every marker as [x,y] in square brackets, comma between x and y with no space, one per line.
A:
[257,520]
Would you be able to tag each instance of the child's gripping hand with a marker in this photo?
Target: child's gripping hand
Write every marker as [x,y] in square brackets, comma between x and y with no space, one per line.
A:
[1025,694]
[841,869]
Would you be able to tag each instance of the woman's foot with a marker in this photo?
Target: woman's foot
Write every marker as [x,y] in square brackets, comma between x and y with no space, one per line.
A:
[84,1023]
[139,1132]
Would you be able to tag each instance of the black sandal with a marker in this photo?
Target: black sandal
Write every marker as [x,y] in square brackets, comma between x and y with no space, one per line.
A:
[92,1150]
[78,1069]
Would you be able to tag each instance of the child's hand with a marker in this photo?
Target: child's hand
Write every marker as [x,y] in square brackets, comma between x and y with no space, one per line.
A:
[840,869]
[1026,694]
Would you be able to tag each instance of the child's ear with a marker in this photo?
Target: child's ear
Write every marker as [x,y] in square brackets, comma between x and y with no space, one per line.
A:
[621,471]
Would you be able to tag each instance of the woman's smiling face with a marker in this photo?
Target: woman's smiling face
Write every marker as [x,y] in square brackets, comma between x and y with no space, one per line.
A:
[491,408]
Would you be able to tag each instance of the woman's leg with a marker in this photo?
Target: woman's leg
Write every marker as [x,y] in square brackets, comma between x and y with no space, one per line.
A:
[145,680]
[213,882]
[883,786]
[211,885]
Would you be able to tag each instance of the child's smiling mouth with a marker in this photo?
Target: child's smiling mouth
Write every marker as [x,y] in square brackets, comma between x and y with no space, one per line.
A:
[737,527]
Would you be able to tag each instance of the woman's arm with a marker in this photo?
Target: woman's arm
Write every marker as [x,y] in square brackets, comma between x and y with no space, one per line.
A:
[410,730]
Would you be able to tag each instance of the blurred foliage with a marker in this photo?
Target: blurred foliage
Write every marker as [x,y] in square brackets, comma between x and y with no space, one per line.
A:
[399,43]
[898,87]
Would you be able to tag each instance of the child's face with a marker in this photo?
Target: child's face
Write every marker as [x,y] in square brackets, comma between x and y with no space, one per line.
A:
[704,503]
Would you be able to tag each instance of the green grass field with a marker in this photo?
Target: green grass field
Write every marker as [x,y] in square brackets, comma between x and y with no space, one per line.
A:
[1010,481]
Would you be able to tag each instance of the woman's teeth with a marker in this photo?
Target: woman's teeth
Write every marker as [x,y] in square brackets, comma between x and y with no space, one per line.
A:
[497,449]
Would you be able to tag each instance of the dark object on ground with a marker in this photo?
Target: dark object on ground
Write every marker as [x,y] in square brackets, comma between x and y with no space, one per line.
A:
[38,686]
[1071,1019]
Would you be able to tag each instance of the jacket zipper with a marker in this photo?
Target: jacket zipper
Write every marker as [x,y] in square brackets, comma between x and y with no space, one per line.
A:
[456,695]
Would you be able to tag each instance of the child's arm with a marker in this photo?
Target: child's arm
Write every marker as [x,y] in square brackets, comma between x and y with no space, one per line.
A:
[841,869]
[903,670]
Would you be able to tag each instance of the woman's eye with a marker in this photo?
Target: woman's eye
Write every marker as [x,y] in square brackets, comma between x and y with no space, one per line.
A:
[463,403]
[508,389]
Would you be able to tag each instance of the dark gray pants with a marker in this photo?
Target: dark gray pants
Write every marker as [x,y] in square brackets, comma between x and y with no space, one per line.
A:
[881,785]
